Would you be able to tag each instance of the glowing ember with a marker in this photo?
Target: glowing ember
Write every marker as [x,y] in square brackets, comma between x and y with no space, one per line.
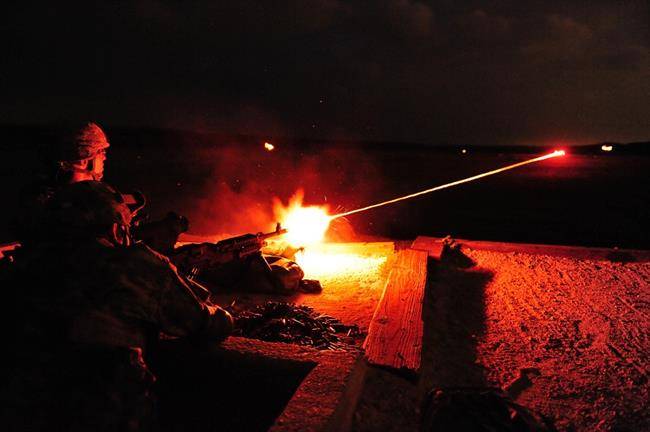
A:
[306,225]
[607,148]
[269,146]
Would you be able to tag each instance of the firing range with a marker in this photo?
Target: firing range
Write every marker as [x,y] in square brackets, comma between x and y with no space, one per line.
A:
[365,256]
[378,136]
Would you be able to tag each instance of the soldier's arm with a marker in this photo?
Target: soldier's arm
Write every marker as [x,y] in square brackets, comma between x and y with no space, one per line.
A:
[177,309]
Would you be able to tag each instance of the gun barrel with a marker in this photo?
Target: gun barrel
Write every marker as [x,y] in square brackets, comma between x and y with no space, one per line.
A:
[275,233]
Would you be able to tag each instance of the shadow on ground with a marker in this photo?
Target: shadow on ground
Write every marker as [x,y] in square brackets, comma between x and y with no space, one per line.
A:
[454,320]
[208,390]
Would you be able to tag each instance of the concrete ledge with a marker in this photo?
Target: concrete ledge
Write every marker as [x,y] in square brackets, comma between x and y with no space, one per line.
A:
[433,245]
[326,398]
[247,384]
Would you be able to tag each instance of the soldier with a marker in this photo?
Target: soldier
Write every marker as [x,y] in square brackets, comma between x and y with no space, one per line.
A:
[97,302]
[76,154]
[82,153]
[79,154]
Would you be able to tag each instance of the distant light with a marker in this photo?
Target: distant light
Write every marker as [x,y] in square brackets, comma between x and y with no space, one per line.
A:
[269,146]
[606,148]
[463,151]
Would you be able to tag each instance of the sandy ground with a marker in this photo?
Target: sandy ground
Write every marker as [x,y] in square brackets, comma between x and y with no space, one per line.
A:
[353,280]
[568,337]
[583,325]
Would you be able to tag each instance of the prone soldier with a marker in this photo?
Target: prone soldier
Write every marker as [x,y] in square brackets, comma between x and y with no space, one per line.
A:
[238,263]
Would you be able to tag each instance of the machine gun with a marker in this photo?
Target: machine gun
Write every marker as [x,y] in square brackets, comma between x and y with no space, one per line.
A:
[194,257]
[161,235]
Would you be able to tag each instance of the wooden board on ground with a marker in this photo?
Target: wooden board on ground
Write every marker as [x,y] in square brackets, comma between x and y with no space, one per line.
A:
[432,245]
[609,254]
[395,334]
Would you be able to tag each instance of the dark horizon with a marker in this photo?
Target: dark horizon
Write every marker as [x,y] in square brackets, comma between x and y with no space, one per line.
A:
[509,73]
[17,135]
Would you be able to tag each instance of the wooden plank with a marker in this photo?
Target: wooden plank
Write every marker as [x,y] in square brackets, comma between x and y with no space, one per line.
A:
[432,245]
[395,335]
[578,252]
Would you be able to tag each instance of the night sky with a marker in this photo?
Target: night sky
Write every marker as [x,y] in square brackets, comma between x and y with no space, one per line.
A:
[453,72]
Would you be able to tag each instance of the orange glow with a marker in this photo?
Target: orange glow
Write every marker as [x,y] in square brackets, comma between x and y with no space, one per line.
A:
[268,146]
[607,148]
[325,265]
[306,225]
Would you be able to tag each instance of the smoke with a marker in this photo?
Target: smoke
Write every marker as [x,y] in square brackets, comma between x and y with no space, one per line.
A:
[241,180]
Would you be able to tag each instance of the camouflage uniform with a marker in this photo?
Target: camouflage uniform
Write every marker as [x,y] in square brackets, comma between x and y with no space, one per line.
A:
[94,308]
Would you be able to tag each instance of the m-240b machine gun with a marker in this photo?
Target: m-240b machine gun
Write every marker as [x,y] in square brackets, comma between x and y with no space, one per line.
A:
[193,257]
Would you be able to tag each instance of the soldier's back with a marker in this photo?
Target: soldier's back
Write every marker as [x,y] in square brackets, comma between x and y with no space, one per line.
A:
[56,377]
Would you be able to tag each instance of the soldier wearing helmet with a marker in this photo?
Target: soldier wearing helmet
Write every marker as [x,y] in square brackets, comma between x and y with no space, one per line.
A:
[76,154]
[81,156]
[82,152]
[96,302]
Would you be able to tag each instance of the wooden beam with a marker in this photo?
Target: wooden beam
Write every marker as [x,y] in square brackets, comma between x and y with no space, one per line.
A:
[432,245]
[395,335]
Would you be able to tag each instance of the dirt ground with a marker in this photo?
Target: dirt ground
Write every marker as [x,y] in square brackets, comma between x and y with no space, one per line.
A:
[352,276]
[567,337]
[582,324]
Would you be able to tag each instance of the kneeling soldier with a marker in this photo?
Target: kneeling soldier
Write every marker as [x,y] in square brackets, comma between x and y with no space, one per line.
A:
[98,301]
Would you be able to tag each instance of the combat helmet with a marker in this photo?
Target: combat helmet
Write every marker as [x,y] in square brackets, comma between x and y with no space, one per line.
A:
[82,142]
[82,145]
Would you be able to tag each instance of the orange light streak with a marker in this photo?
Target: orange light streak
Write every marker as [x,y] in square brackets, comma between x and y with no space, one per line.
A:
[556,153]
